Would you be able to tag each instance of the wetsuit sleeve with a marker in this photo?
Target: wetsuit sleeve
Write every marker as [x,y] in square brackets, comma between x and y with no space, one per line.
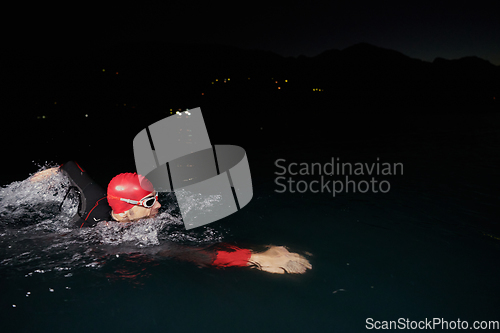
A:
[93,206]
[218,255]
[234,256]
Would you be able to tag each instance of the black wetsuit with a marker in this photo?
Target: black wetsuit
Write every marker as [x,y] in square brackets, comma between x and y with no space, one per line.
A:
[93,206]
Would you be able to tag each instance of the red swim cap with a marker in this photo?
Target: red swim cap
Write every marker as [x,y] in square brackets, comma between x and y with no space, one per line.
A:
[128,186]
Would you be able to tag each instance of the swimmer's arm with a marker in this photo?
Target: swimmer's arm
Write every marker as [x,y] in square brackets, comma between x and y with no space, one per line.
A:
[276,259]
[43,174]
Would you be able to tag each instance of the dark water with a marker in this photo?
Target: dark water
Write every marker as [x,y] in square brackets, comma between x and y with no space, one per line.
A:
[427,249]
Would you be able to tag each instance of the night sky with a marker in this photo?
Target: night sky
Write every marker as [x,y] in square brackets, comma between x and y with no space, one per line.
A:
[419,29]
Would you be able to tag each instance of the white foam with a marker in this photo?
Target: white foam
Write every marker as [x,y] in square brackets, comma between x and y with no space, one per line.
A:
[39,238]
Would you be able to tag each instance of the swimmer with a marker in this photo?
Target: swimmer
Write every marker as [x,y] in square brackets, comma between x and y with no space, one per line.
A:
[131,197]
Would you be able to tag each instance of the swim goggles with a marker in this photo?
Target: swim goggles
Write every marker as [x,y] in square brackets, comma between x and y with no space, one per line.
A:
[147,202]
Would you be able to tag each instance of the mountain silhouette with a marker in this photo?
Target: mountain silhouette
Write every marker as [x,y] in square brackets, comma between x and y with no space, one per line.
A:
[361,79]
[74,99]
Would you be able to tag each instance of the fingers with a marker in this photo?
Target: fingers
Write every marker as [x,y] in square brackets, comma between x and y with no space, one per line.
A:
[294,267]
[305,263]
[291,267]
[273,269]
[298,266]
[297,263]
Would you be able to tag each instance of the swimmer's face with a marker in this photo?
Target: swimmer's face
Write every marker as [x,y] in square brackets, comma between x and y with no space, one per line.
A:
[139,212]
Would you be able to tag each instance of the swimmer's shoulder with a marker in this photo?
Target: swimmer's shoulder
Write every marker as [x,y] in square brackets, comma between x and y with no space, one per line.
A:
[44,174]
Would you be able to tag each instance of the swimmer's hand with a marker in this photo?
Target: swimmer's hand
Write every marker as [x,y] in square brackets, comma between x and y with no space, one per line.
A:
[277,259]
[43,174]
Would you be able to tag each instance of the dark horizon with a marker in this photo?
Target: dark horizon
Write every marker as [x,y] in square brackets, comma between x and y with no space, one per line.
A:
[34,51]
[367,91]
[164,76]
[419,29]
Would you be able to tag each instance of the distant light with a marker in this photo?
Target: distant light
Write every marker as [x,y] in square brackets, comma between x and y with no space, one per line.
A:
[249,78]
[116,73]
[55,102]
[228,79]
[43,117]
[279,87]
[286,80]
[203,93]
[275,81]
[216,79]
[212,83]
[86,115]
[103,70]
[124,104]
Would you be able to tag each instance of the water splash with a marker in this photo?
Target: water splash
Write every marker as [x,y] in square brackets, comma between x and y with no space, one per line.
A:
[37,237]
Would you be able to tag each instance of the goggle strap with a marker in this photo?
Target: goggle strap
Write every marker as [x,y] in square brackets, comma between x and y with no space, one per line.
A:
[133,202]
